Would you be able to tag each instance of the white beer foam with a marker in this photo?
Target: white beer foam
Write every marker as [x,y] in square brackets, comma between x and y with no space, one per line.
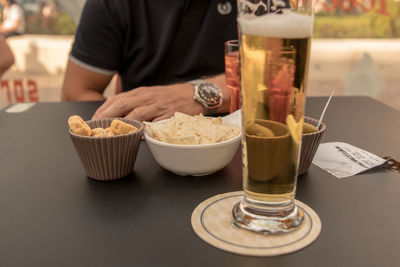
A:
[286,25]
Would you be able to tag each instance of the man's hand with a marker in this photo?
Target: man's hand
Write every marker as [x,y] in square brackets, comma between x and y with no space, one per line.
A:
[151,103]
[144,103]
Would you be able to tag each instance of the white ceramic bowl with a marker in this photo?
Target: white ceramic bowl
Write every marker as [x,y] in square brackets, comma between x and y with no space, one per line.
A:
[195,160]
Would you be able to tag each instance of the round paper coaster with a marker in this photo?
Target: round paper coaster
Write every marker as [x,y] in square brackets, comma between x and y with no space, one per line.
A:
[213,222]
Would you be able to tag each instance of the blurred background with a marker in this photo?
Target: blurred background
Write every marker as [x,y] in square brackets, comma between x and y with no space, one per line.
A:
[355,50]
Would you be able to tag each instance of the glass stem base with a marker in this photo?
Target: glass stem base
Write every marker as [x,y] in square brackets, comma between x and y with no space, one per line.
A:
[267,218]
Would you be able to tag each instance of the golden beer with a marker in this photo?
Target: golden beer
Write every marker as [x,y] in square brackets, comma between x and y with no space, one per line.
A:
[270,163]
[274,54]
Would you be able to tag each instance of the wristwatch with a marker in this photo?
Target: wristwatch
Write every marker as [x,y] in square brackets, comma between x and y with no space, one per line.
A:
[208,95]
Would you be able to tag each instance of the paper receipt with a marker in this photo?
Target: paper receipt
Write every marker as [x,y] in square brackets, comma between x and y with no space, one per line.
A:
[344,160]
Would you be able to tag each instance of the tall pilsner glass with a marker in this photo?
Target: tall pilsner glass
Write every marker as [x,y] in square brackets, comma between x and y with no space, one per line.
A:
[275,41]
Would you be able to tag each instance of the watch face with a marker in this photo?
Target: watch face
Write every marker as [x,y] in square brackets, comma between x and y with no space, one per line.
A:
[209,94]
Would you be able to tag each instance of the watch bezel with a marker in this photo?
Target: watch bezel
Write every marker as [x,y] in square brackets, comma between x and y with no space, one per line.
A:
[210,107]
[210,94]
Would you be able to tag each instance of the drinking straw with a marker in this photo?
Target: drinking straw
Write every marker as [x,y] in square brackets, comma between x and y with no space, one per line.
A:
[323,112]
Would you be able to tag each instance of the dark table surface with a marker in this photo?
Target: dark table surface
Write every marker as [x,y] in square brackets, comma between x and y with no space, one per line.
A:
[51,214]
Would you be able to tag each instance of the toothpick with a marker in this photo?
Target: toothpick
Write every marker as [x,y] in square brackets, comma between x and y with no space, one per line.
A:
[323,112]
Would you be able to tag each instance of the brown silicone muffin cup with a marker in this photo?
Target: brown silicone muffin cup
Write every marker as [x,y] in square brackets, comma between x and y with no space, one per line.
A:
[309,145]
[108,158]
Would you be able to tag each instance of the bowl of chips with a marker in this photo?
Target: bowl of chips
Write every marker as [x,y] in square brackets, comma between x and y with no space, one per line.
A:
[107,148]
[192,145]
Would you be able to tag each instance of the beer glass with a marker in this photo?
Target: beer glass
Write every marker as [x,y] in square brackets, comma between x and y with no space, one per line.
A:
[232,73]
[275,41]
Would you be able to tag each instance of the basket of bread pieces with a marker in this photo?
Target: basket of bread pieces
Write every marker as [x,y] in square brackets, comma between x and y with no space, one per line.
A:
[108,147]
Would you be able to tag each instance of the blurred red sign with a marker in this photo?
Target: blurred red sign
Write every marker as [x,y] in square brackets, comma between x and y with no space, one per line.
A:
[20,90]
[348,5]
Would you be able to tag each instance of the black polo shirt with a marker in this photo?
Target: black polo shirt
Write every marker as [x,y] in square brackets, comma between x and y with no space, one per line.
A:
[132,37]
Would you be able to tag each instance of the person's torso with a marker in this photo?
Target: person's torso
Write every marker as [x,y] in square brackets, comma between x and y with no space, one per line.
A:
[151,27]
[13,13]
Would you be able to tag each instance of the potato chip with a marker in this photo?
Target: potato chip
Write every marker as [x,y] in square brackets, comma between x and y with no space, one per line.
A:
[192,130]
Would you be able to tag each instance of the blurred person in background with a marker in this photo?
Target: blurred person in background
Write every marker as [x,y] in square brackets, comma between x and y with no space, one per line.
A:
[157,47]
[49,13]
[6,56]
[13,20]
